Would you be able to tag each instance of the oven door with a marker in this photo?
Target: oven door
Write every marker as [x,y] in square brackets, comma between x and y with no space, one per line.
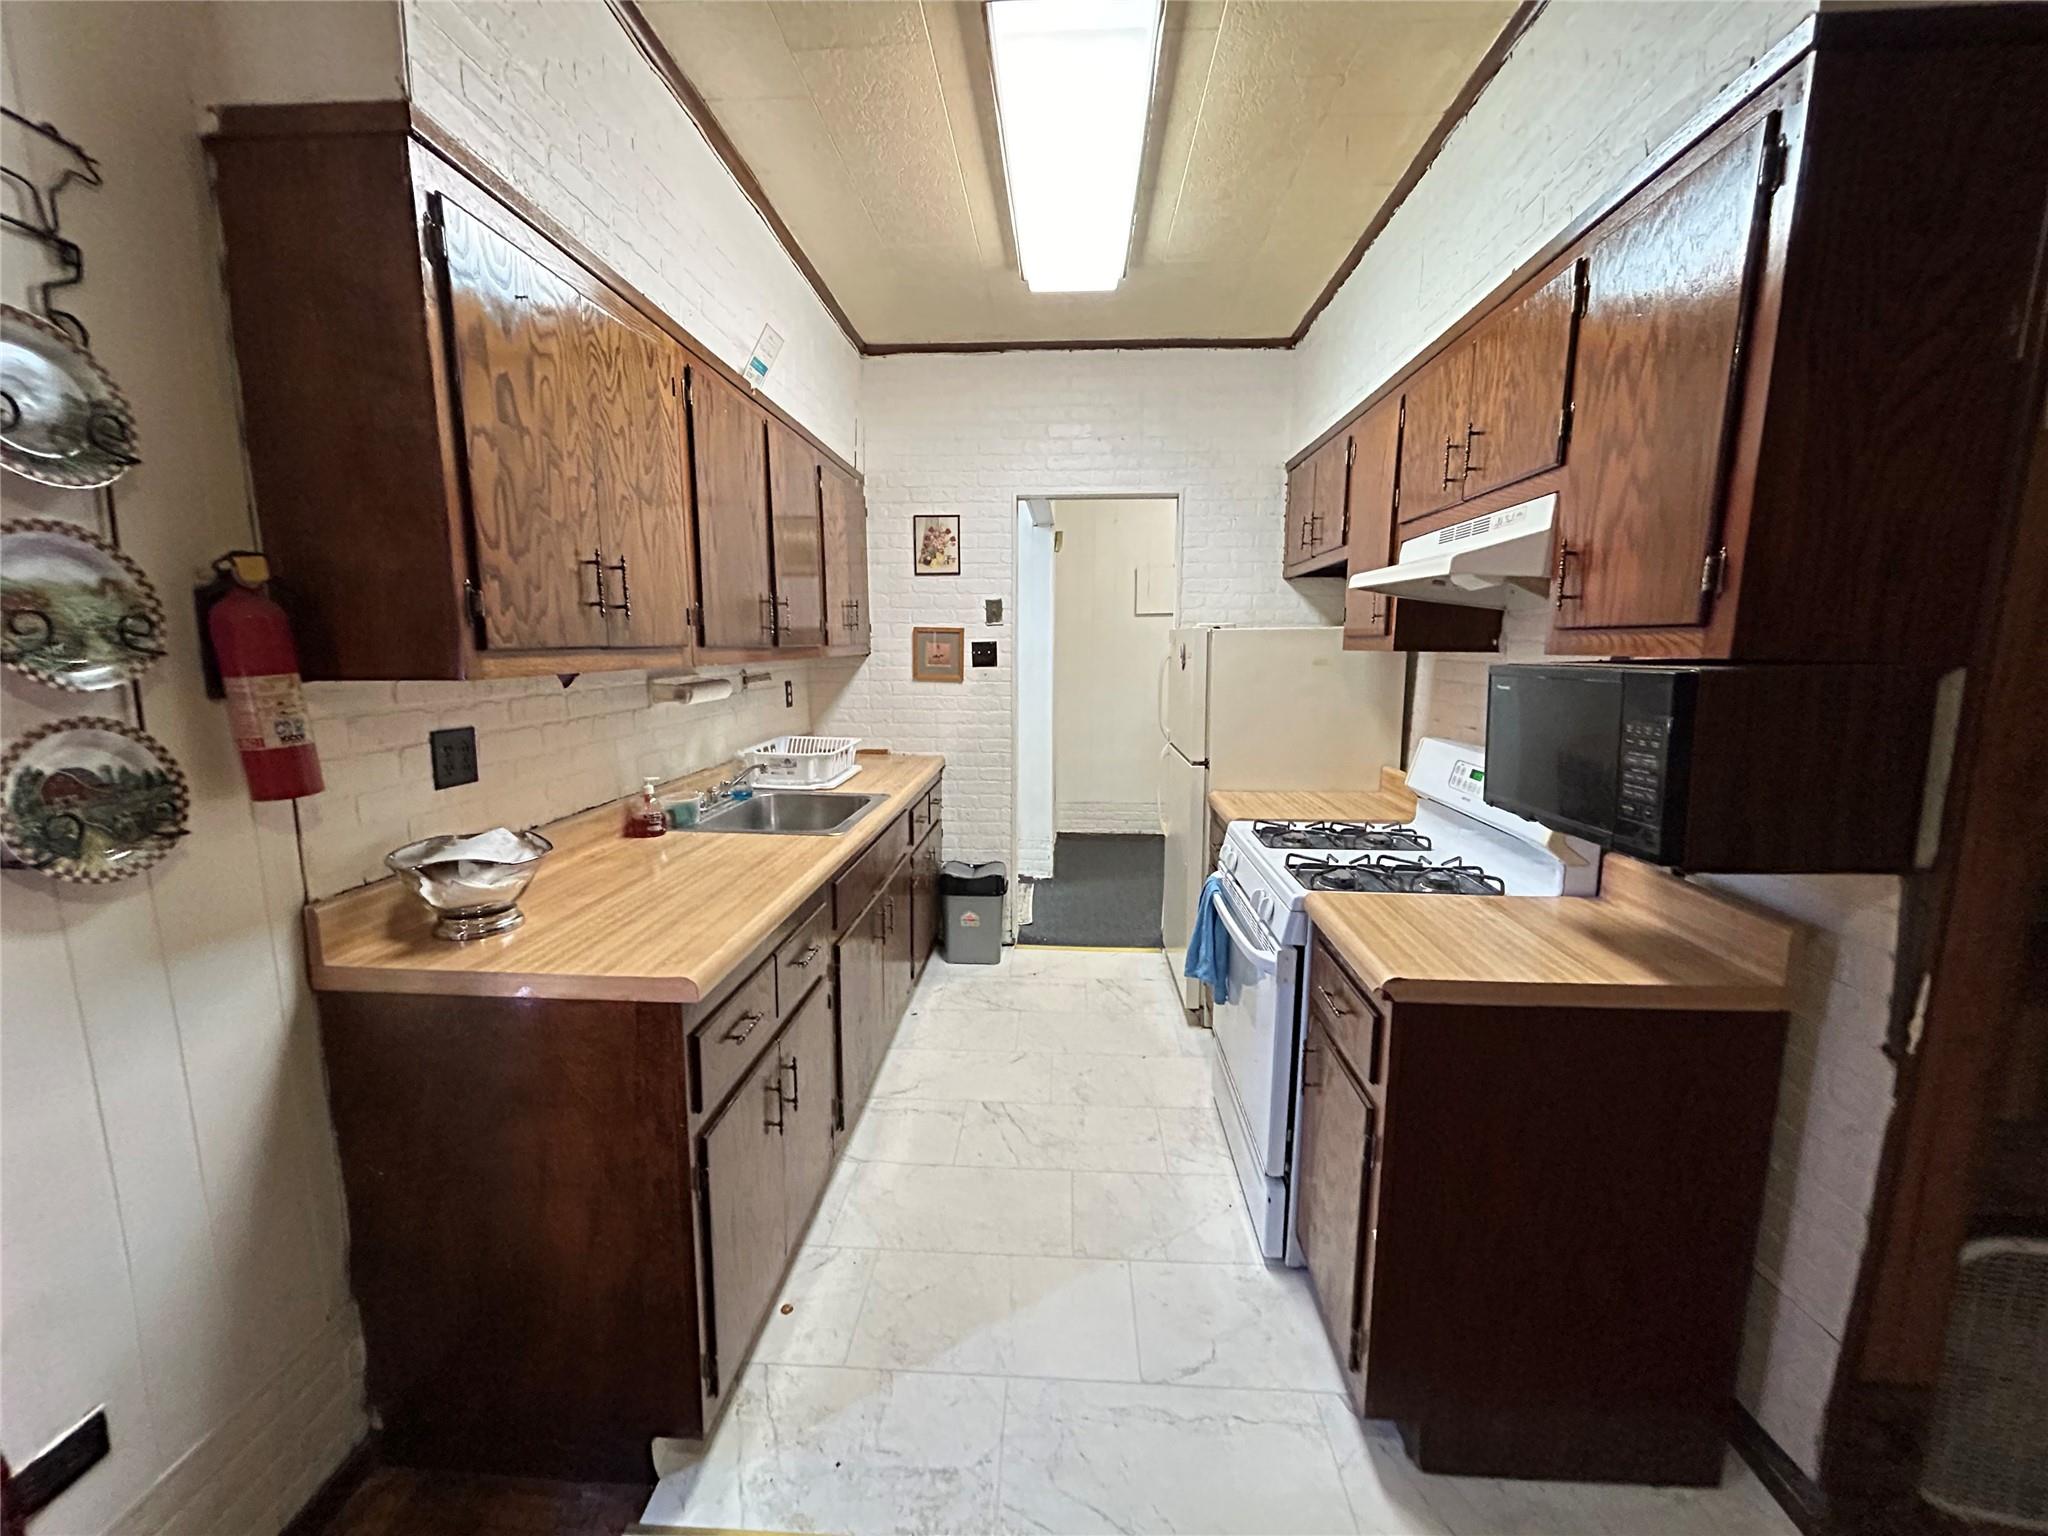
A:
[1255,1030]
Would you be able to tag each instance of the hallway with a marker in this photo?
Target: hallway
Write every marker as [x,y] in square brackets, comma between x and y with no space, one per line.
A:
[1031,1302]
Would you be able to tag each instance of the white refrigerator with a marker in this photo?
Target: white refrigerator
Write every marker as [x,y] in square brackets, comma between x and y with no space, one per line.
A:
[1261,709]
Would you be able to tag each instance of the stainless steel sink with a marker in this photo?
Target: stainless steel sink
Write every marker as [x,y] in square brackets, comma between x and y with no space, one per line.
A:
[810,813]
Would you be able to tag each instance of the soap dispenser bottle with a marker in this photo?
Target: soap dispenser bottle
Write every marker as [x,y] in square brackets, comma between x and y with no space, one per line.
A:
[644,816]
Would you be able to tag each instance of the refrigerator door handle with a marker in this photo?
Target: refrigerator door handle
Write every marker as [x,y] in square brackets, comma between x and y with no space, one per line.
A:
[1165,662]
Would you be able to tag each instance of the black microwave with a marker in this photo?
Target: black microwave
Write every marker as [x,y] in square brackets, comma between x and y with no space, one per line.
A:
[1765,768]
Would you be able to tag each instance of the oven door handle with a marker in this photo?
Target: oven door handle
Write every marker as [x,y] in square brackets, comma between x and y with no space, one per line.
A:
[1266,959]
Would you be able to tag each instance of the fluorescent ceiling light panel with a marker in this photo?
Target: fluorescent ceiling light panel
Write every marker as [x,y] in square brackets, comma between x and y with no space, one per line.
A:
[1073,92]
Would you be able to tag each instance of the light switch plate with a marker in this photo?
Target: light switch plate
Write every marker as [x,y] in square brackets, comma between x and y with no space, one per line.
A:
[984,652]
[454,755]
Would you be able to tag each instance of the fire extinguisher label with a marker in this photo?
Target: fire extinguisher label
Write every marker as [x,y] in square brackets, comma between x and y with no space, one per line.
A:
[267,712]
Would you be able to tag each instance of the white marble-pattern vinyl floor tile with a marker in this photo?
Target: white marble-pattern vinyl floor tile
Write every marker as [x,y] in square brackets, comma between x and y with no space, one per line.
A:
[909,1131]
[1191,1217]
[998,1314]
[1231,1325]
[956,1210]
[1103,1138]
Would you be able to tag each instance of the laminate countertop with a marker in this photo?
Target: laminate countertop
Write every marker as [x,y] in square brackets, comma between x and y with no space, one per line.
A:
[608,917]
[1391,801]
[1648,940]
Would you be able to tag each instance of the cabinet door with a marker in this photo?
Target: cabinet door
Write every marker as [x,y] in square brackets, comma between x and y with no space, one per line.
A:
[861,1004]
[728,451]
[1655,403]
[804,1059]
[1301,499]
[742,1209]
[636,439]
[799,538]
[1329,1213]
[519,366]
[1433,441]
[1375,458]
[897,962]
[1328,520]
[1515,402]
[924,904]
[845,509]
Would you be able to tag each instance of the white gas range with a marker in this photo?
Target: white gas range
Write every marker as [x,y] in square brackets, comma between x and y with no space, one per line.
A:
[1456,844]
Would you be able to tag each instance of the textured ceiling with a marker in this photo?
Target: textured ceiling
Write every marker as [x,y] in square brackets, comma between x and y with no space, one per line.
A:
[1278,129]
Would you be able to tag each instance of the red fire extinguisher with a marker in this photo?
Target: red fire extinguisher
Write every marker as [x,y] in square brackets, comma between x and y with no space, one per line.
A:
[259,669]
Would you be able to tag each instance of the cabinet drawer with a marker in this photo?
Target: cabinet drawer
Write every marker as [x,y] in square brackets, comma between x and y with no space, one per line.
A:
[920,820]
[852,891]
[723,1044]
[802,958]
[1356,1027]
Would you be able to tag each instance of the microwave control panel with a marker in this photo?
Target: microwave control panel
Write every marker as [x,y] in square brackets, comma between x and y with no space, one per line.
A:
[1639,803]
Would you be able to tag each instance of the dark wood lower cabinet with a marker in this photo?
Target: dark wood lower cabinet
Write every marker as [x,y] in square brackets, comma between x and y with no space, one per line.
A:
[925,920]
[569,1219]
[1541,1235]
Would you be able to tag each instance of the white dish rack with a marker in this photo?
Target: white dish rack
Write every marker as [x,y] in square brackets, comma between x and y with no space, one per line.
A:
[802,762]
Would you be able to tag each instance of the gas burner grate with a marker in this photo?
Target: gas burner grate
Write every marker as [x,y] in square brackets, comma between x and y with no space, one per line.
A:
[1390,876]
[1340,836]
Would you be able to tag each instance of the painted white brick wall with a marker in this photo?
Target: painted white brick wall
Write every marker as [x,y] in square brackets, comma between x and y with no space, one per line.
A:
[971,434]
[557,99]
[1589,91]
[543,752]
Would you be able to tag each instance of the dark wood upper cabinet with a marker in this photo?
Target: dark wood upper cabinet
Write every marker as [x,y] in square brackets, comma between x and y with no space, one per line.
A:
[530,439]
[845,511]
[1666,301]
[1329,521]
[1517,388]
[728,439]
[798,532]
[468,438]
[1433,440]
[1375,460]
[1301,499]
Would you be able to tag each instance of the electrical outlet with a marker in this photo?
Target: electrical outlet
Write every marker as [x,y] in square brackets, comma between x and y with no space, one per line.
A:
[454,755]
[788,694]
[984,653]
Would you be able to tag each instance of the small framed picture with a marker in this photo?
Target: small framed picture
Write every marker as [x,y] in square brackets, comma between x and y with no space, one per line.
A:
[935,543]
[938,655]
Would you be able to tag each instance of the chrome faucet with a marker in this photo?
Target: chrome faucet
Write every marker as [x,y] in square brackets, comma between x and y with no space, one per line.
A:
[721,794]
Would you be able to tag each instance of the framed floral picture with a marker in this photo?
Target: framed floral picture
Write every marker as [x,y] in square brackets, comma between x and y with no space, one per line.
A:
[938,655]
[935,543]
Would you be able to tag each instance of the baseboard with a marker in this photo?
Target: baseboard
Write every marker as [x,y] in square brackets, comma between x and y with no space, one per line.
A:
[318,1512]
[1796,1493]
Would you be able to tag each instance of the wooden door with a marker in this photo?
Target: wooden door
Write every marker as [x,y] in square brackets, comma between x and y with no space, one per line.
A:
[1328,525]
[1521,374]
[1656,396]
[898,945]
[1375,460]
[518,366]
[804,1058]
[635,409]
[1301,499]
[743,1213]
[799,538]
[861,1005]
[1329,1213]
[845,510]
[729,455]
[1433,441]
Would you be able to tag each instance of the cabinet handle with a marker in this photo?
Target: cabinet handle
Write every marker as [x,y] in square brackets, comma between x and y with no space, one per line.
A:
[625,586]
[1566,553]
[742,1027]
[768,618]
[1451,447]
[1332,1004]
[1309,1051]
[803,961]
[596,562]
[1465,457]
[774,1088]
[795,1087]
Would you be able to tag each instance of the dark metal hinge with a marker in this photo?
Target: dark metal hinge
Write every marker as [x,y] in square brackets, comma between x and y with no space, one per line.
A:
[1564,429]
[707,1370]
[1714,570]
[1582,289]
[475,597]
[1350,450]
[1770,173]
[436,242]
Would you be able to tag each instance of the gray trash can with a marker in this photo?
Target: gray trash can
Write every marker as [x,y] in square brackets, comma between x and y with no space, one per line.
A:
[972,898]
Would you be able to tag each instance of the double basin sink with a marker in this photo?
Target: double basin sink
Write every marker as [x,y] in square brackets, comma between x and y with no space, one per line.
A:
[795,812]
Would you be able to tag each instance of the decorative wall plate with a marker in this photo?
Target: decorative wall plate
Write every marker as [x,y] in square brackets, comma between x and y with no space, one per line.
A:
[91,801]
[75,612]
[63,419]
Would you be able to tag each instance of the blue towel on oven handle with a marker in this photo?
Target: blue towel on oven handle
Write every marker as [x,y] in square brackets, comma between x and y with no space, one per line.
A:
[1208,958]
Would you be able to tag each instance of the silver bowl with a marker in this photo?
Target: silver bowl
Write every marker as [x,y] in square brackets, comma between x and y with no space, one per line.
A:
[473,881]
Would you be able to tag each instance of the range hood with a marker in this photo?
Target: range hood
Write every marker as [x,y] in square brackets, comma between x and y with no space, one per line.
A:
[1470,563]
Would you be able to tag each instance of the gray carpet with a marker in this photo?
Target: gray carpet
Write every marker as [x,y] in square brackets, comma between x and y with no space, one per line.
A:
[1105,890]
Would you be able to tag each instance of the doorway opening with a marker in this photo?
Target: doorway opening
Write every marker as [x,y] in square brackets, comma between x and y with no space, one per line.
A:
[1097,592]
